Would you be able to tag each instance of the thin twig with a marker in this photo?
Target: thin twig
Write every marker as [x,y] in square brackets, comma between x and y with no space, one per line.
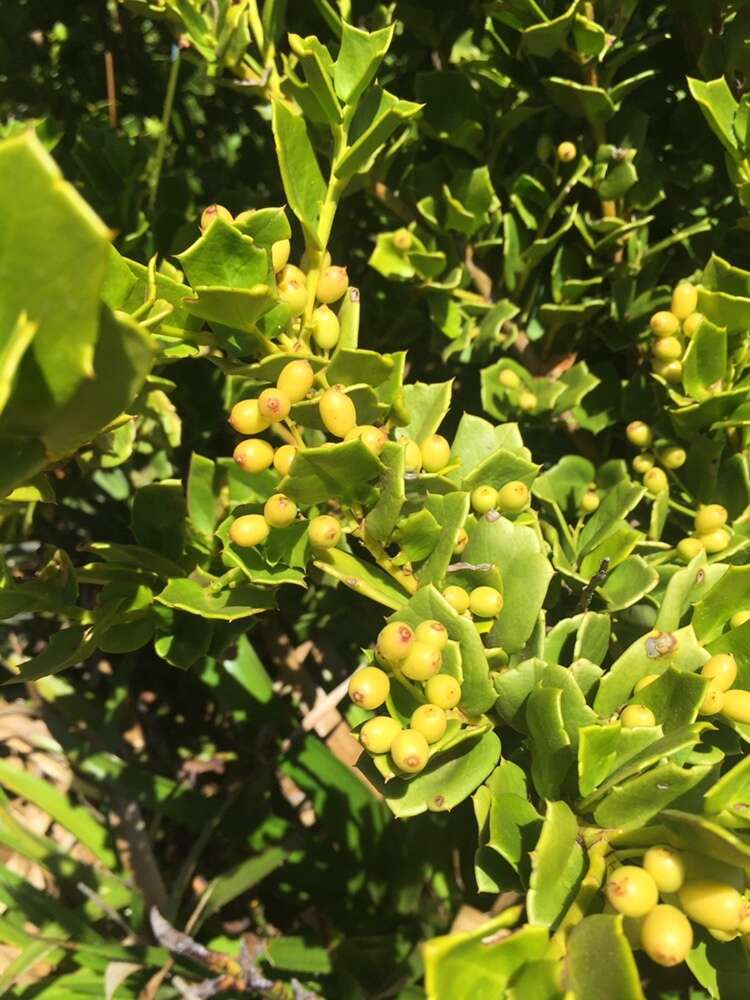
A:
[109,66]
[165,120]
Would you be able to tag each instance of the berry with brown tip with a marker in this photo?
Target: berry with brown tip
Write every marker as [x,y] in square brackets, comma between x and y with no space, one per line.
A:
[296,380]
[457,597]
[337,412]
[214,212]
[369,687]
[567,152]
[422,662]
[483,498]
[274,405]
[246,417]
[324,532]
[377,735]
[710,517]
[279,511]
[332,284]
[433,632]
[666,935]
[443,690]
[409,751]
[430,721]
[664,324]
[486,602]
[394,642]
[632,891]
[253,455]
[639,434]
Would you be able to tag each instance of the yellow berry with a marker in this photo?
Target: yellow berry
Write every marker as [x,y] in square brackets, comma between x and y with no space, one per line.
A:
[664,324]
[716,541]
[737,706]
[292,273]
[721,670]
[337,412]
[324,532]
[642,463]
[246,418]
[253,455]
[483,498]
[513,497]
[443,690]
[634,716]
[666,868]
[394,642]
[293,294]
[713,701]
[372,437]
[433,632]
[409,751]
[673,457]
[645,681]
[486,602]
[369,687]
[280,254]
[274,405]
[403,239]
[710,517]
[436,453]
[430,721]
[249,530]
[670,371]
[527,402]
[325,328]
[667,349]
[688,548]
[332,284]
[713,904]
[296,380]
[422,662]
[632,891]
[279,511]
[691,324]
[457,597]
[590,502]
[739,618]
[283,458]
[639,434]
[655,481]
[214,212]
[377,734]
[566,152]
[666,935]
[412,456]
[684,300]
[462,540]
[508,378]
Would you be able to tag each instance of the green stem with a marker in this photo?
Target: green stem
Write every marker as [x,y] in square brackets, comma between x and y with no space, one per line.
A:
[385,562]
[165,120]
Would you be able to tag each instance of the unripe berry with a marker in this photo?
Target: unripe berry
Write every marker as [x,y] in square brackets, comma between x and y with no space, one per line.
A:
[324,532]
[214,212]
[527,402]
[433,632]
[394,642]
[666,868]
[639,434]
[443,690]
[645,681]
[655,481]
[332,284]
[712,904]
[667,349]
[513,497]
[716,541]
[483,498]
[664,324]
[337,412]
[462,540]
[246,419]
[274,405]
[713,701]
[688,548]
[369,687]
[280,254]
[486,602]
[253,455]
[422,662]
[409,751]
[436,453]
[279,511]
[590,502]
[566,152]
[372,437]
[684,300]
[430,721]
[377,734]
[283,458]
[670,371]
[292,273]
[403,239]
[457,597]
[544,146]
[737,706]
[642,463]
[325,328]
[412,456]
[710,517]
[666,935]
[635,716]
[293,294]
[632,891]
[249,530]
[508,378]
[739,618]
[296,380]
[691,324]
[721,670]
[673,457]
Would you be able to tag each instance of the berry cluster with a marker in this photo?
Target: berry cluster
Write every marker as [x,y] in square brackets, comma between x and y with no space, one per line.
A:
[710,535]
[670,456]
[518,394]
[413,657]
[692,888]
[671,329]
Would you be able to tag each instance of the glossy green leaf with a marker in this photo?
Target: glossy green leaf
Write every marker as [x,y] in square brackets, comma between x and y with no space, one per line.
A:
[557,867]
[719,109]
[300,171]
[426,406]
[635,803]
[158,518]
[362,577]
[332,470]
[603,749]
[359,57]
[552,754]
[226,605]
[705,360]
[731,593]
[704,836]
[600,964]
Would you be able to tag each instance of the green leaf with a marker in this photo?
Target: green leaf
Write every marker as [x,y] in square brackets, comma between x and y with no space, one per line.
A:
[628,582]
[579,100]
[356,367]
[617,502]
[23,458]
[364,578]
[300,170]
[383,517]
[729,594]
[202,495]
[295,954]
[243,876]
[604,749]
[265,225]
[674,698]
[706,837]
[377,116]
[632,805]
[552,754]
[558,865]
[600,964]
[545,39]
[226,605]
[158,518]
[316,73]
[732,787]
[13,345]
[705,360]
[719,109]
[187,640]
[359,57]
[682,590]
[344,471]
[51,243]
[238,308]
[223,257]
[450,512]
[426,406]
